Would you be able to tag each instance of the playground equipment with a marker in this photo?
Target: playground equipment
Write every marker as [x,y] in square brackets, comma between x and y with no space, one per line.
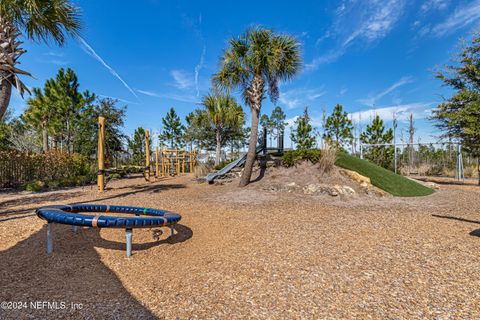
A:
[237,163]
[101,154]
[262,148]
[174,162]
[71,215]
[168,162]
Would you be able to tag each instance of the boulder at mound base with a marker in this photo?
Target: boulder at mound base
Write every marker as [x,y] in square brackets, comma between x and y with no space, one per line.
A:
[357,177]
[336,190]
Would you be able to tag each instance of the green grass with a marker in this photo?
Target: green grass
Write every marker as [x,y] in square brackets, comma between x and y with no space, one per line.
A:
[382,178]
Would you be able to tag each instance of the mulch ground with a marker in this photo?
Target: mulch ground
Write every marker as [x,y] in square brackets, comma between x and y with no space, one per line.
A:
[247,253]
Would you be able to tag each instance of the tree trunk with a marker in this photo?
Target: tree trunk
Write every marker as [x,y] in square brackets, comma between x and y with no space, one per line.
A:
[45,138]
[5,94]
[254,95]
[252,150]
[218,148]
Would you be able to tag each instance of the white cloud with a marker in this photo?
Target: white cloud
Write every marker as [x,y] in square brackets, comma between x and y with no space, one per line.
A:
[372,99]
[183,79]
[343,91]
[329,57]
[432,5]
[360,21]
[295,98]
[172,96]
[420,110]
[463,16]
[54,54]
[199,67]
[89,50]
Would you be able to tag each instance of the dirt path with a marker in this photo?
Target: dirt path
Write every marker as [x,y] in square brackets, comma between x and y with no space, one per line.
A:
[249,254]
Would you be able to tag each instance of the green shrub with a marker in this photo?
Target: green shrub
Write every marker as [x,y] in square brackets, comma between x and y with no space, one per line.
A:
[131,169]
[114,176]
[291,158]
[54,168]
[34,186]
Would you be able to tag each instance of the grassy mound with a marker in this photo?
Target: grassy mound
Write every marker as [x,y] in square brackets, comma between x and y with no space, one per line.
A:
[384,179]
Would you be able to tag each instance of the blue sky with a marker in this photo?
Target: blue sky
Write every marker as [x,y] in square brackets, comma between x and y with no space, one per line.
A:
[369,55]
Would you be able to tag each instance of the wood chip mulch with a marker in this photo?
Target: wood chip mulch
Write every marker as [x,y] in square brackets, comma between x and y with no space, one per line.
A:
[244,254]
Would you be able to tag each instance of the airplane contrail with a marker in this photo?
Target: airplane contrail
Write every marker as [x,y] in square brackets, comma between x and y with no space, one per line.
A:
[88,49]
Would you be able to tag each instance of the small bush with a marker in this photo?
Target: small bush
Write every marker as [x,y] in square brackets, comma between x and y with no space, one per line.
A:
[34,186]
[291,158]
[133,169]
[201,170]
[114,176]
[328,156]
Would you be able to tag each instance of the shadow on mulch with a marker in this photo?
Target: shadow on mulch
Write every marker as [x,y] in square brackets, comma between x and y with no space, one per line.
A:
[56,197]
[139,189]
[74,273]
[475,233]
[455,218]
[31,199]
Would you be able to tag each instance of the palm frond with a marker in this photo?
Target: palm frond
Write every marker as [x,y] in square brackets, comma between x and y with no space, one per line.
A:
[43,20]
[258,54]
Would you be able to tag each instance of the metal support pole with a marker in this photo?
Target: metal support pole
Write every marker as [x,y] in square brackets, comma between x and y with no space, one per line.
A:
[49,238]
[74,229]
[264,140]
[361,151]
[128,235]
[172,231]
[280,142]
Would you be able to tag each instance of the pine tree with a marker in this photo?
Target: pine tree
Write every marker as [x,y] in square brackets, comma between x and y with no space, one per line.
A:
[302,135]
[86,129]
[137,147]
[277,120]
[458,117]
[338,128]
[375,134]
[173,130]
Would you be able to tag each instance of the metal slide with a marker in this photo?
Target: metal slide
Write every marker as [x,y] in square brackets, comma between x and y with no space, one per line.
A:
[237,163]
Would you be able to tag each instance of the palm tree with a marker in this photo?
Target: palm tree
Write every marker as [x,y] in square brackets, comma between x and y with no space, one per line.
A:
[255,61]
[222,113]
[41,20]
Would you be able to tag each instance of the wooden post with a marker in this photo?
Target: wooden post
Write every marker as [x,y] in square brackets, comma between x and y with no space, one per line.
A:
[147,156]
[157,174]
[190,160]
[163,163]
[101,154]
[183,162]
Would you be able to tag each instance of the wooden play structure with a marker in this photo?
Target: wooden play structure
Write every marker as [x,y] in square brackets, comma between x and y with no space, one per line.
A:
[174,162]
[168,162]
